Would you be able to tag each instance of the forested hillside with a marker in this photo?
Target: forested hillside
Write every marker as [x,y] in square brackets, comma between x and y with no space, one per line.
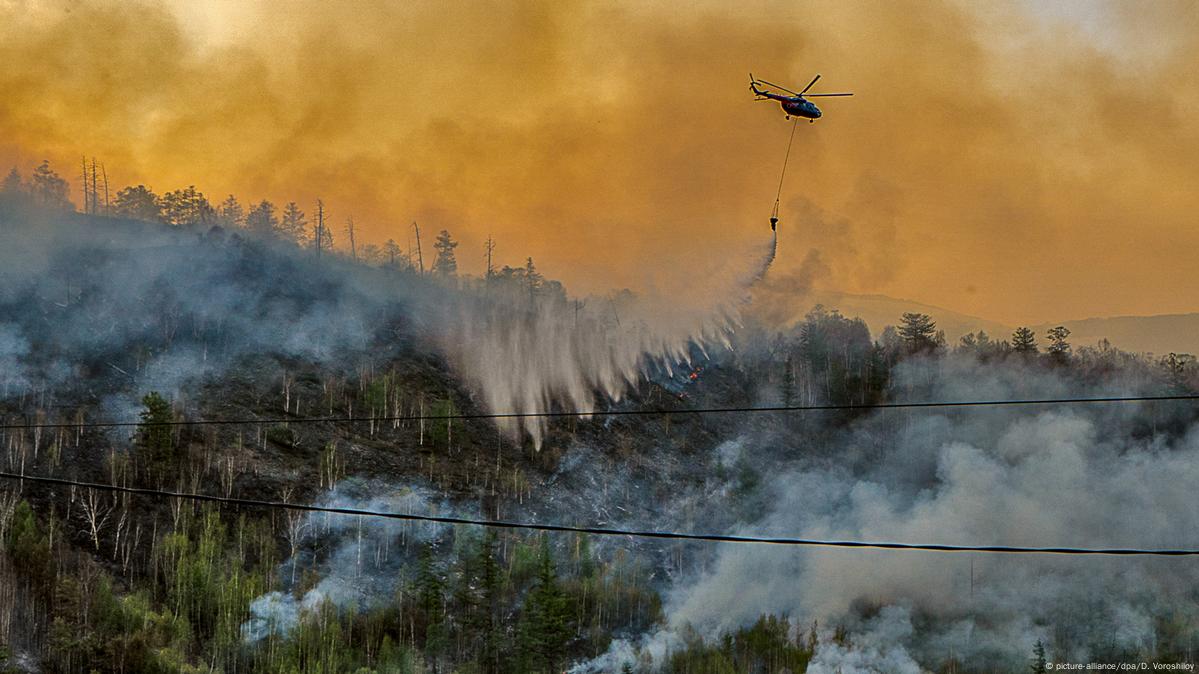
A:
[357,377]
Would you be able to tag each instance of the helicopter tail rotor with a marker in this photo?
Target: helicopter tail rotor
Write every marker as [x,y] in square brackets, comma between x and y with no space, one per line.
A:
[753,86]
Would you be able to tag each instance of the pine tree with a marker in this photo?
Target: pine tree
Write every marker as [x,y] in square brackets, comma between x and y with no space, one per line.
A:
[1039,665]
[533,278]
[13,185]
[445,263]
[546,629]
[464,599]
[49,189]
[138,203]
[230,213]
[293,226]
[393,254]
[154,442]
[1024,340]
[28,548]
[261,220]
[788,381]
[1059,348]
[431,600]
[490,586]
[186,207]
[918,332]
[1177,368]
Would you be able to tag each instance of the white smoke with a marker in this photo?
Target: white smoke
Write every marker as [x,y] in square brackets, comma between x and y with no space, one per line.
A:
[1076,476]
[151,307]
[878,650]
[359,558]
[13,348]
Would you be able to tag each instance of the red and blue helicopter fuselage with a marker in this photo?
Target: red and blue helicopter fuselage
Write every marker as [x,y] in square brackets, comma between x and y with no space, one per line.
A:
[801,107]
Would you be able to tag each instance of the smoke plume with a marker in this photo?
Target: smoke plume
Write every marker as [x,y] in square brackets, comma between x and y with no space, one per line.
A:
[109,310]
[602,137]
[1078,476]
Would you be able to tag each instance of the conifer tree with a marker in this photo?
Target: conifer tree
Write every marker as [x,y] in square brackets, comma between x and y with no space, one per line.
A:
[230,213]
[1024,340]
[788,381]
[138,203]
[490,588]
[393,254]
[261,220]
[293,226]
[1039,665]
[430,586]
[49,189]
[546,621]
[918,332]
[445,264]
[186,207]
[154,441]
[13,185]
[533,278]
[1059,348]
[28,548]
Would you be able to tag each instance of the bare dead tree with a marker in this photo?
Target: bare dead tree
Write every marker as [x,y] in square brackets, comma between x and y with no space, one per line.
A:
[87,201]
[320,226]
[332,467]
[96,512]
[95,193]
[104,172]
[227,469]
[39,421]
[420,256]
[8,505]
[288,381]
[421,416]
[122,527]
[350,232]
[294,530]
[176,505]
[129,547]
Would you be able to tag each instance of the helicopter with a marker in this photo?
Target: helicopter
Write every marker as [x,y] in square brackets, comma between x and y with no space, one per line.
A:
[797,104]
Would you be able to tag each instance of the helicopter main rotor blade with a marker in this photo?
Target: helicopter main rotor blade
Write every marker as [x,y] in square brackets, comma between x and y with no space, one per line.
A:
[771,84]
[813,95]
[805,89]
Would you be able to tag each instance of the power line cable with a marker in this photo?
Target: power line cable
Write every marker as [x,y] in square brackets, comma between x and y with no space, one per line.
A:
[609,413]
[603,531]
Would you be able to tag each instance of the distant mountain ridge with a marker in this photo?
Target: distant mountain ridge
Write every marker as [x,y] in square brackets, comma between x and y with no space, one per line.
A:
[1157,334]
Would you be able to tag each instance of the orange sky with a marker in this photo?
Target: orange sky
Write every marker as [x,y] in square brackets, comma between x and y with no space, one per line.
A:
[1020,166]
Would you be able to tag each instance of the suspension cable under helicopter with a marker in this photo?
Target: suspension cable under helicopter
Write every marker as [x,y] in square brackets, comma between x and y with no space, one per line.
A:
[774,213]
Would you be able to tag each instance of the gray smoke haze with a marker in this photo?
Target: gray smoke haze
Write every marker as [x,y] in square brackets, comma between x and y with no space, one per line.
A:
[120,308]
[105,311]
[1077,476]
[359,559]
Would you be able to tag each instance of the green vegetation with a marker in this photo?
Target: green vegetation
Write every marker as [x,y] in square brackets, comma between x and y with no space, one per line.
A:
[170,588]
[769,645]
[93,581]
[186,608]
[154,442]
